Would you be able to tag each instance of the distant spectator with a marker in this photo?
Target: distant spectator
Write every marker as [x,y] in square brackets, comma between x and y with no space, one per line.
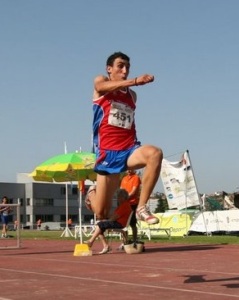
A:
[15,225]
[70,223]
[4,211]
[39,224]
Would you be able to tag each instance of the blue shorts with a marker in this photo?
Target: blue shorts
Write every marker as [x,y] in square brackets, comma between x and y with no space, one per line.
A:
[5,219]
[112,161]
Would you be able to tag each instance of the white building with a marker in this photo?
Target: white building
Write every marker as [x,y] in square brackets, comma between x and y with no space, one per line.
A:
[45,201]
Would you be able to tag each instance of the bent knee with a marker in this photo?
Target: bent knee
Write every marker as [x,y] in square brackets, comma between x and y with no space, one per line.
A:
[156,154]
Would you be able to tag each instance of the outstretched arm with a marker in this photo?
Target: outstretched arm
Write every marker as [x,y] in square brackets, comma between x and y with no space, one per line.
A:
[103,85]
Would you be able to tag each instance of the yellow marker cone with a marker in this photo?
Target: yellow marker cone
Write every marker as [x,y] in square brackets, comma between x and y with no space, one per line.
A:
[82,250]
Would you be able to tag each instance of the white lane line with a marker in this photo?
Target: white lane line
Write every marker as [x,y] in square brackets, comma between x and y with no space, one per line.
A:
[145,266]
[119,283]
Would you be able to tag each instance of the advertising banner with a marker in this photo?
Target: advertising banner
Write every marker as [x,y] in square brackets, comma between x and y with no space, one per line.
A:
[179,183]
[212,221]
[179,223]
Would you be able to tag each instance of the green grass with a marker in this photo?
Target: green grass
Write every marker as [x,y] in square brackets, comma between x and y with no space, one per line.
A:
[203,240]
[40,234]
[196,239]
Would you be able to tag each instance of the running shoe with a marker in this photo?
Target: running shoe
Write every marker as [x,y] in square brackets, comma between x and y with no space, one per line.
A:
[143,214]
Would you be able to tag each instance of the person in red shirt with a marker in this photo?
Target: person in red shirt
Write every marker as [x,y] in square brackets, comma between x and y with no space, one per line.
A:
[118,220]
[131,183]
[115,140]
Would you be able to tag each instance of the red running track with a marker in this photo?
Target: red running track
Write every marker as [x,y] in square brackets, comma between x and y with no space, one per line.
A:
[46,269]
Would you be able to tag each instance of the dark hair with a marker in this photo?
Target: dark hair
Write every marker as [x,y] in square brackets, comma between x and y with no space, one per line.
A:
[122,193]
[5,197]
[112,58]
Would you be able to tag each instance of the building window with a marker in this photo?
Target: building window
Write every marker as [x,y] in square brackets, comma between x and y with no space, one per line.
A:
[44,202]
[74,218]
[63,190]
[88,218]
[44,218]
[62,218]
[74,191]
[28,201]
[48,218]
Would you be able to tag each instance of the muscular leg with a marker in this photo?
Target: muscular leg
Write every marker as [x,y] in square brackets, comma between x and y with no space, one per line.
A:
[106,187]
[149,158]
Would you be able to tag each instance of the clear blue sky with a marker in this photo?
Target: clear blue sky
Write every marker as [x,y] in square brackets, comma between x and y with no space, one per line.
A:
[51,51]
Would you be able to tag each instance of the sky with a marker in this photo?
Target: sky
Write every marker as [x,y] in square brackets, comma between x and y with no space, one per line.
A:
[52,50]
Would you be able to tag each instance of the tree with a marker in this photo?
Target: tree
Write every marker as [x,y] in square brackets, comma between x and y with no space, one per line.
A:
[162,203]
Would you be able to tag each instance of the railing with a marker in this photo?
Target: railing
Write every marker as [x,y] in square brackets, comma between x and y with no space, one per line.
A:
[87,230]
[147,231]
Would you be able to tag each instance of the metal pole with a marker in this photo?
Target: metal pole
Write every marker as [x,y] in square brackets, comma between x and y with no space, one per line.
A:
[18,224]
[200,200]
[67,231]
[80,216]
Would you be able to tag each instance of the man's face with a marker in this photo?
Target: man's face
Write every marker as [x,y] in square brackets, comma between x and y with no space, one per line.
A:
[119,70]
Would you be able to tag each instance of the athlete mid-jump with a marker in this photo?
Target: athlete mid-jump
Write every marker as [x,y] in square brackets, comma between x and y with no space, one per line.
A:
[115,140]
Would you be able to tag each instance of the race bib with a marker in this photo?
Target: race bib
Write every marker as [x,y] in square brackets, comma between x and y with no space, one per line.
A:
[121,115]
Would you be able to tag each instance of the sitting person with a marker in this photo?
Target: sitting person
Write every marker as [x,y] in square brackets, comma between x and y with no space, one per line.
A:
[118,220]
